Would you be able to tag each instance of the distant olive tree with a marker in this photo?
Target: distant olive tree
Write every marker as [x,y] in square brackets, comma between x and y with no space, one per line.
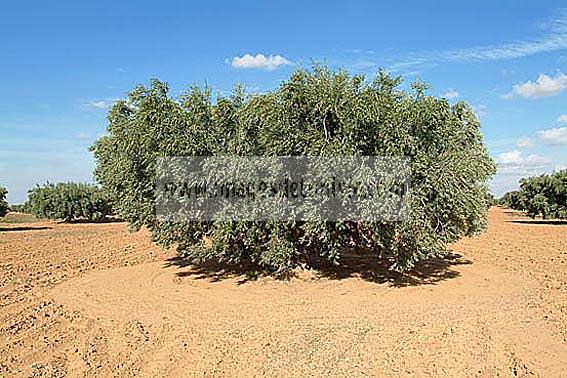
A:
[21,208]
[314,113]
[544,195]
[491,200]
[512,199]
[3,203]
[68,201]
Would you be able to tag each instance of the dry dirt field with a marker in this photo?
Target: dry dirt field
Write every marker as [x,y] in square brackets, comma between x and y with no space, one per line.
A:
[93,300]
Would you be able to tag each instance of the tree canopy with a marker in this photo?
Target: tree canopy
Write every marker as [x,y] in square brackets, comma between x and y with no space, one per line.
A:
[316,112]
[68,201]
[544,195]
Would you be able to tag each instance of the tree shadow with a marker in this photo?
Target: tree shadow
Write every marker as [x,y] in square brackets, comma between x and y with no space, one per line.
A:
[216,271]
[366,267]
[24,228]
[553,222]
[515,214]
[377,270]
[90,221]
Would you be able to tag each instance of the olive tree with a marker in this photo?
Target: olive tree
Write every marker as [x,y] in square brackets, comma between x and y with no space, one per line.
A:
[316,112]
[544,195]
[68,201]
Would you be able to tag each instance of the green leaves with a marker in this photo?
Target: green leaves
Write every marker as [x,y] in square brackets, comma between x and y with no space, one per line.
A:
[315,112]
[68,201]
[3,203]
[544,195]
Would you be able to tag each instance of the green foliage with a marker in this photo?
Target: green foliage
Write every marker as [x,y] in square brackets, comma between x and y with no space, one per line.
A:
[491,200]
[3,203]
[68,201]
[314,113]
[21,208]
[544,195]
[512,199]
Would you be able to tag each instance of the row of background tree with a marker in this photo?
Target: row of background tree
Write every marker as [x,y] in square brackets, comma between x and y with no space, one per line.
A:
[544,195]
[67,201]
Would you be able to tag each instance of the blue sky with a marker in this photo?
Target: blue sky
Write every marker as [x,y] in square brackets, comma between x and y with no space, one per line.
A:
[62,63]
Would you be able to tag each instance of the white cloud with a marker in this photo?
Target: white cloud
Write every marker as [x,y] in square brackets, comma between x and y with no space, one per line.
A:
[558,24]
[562,119]
[99,104]
[511,50]
[512,157]
[513,165]
[451,94]
[554,38]
[259,61]
[514,162]
[544,86]
[556,135]
[524,142]
[480,110]
[536,161]
[82,136]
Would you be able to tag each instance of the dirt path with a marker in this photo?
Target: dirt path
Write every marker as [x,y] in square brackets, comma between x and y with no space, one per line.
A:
[499,310]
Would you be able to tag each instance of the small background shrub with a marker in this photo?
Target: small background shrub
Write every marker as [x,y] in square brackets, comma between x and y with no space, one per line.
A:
[544,195]
[68,201]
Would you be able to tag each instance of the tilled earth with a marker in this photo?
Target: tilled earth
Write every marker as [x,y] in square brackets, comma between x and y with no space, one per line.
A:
[95,300]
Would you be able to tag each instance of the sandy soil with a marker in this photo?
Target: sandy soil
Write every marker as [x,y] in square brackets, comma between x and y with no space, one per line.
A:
[94,300]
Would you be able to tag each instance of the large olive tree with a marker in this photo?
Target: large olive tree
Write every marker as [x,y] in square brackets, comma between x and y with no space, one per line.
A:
[315,112]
